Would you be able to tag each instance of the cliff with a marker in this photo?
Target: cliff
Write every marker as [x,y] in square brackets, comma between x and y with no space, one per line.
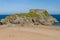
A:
[34,16]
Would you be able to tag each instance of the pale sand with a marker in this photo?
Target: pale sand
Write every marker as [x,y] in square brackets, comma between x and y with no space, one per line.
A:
[29,33]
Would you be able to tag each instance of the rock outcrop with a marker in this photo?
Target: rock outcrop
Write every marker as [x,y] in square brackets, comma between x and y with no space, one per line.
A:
[34,16]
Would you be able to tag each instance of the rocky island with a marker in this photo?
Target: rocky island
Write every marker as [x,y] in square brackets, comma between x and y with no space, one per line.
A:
[34,25]
[34,16]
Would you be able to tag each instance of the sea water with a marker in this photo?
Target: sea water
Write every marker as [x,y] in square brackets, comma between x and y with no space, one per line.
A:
[58,18]
[55,16]
[3,16]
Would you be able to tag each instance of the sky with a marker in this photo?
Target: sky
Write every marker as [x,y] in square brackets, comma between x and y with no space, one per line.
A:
[23,6]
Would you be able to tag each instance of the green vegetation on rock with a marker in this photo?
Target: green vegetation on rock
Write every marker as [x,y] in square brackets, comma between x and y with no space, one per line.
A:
[46,13]
[28,15]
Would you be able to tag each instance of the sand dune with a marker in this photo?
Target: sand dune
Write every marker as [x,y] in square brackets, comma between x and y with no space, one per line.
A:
[29,33]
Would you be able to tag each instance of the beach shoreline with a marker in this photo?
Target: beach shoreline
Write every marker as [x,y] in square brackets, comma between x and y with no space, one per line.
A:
[31,32]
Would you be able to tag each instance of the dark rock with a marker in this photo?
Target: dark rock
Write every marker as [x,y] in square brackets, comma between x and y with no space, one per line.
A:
[1,23]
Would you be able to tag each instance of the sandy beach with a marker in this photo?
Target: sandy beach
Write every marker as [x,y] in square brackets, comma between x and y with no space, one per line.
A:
[29,33]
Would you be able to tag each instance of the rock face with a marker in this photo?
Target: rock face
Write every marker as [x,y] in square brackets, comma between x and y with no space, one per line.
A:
[34,16]
[45,18]
[1,23]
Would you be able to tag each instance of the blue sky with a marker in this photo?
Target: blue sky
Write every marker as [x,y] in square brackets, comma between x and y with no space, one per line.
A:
[16,6]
